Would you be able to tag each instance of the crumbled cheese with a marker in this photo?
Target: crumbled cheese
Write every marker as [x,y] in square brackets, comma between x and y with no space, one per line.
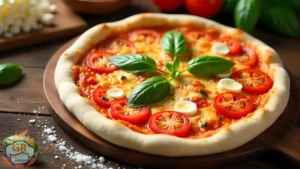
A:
[32,121]
[48,131]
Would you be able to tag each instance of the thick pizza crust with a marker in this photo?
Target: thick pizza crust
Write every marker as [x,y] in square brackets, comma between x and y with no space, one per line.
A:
[228,138]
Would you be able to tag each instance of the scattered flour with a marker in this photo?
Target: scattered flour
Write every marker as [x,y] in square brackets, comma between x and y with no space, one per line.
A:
[63,151]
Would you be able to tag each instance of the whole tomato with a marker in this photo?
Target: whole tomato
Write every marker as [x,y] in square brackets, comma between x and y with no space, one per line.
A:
[168,5]
[204,8]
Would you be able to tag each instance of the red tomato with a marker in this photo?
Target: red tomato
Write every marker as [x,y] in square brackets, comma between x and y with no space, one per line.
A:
[151,35]
[169,122]
[232,105]
[100,98]
[134,115]
[200,102]
[252,61]
[204,8]
[168,5]
[234,45]
[253,80]
[98,62]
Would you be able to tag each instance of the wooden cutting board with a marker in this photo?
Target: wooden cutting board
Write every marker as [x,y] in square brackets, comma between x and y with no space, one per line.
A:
[66,23]
[282,137]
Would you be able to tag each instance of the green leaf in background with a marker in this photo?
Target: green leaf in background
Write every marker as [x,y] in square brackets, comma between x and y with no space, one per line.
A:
[280,18]
[10,74]
[209,66]
[295,4]
[247,13]
[134,63]
[228,6]
[150,91]
[174,43]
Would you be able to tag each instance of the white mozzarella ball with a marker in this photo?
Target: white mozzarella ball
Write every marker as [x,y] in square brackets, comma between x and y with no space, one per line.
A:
[115,93]
[225,74]
[47,18]
[187,107]
[220,48]
[230,85]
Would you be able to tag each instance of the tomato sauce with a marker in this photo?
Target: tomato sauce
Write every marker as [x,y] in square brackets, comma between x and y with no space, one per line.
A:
[88,80]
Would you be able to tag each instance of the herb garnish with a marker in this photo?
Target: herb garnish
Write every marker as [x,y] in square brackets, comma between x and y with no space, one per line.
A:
[203,92]
[157,88]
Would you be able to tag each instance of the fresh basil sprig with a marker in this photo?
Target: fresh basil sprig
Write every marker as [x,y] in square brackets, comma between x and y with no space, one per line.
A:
[150,91]
[278,17]
[134,63]
[157,88]
[209,66]
[247,13]
[174,43]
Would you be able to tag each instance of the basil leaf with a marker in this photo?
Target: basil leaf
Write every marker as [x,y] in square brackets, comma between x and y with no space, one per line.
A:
[134,63]
[176,64]
[247,13]
[169,66]
[228,6]
[278,17]
[150,91]
[174,43]
[295,4]
[209,65]
[175,74]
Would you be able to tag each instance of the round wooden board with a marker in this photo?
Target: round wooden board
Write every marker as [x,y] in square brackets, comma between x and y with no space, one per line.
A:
[283,135]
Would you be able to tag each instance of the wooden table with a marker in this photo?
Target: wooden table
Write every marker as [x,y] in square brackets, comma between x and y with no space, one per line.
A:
[20,101]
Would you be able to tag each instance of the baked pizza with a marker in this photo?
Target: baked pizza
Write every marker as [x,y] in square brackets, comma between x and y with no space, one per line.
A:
[172,85]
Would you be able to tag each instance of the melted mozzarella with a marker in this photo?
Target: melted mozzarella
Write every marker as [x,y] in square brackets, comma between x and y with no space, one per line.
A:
[187,107]
[231,85]
[115,93]
[220,48]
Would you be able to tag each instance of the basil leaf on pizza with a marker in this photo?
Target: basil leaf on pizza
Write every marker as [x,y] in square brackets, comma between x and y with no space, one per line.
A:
[174,43]
[134,63]
[169,66]
[176,64]
[209,65]
[150,91]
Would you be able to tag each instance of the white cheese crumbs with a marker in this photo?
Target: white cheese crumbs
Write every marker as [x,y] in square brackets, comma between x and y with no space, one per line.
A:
[56,157]
[32,121]
[52,138]
[18,119]
[24,15]
[101,159]
[220,48]
[48,130]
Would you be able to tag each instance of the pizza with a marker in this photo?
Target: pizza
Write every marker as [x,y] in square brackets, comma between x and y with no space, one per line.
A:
[172,85]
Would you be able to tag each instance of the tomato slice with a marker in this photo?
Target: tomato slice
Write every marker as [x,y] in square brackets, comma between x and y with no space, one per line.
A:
[234,45]
[232,105]
[252,60]
[169,122]
[149,36]
[253,80]
[100,98]
[135,115]
[98,62]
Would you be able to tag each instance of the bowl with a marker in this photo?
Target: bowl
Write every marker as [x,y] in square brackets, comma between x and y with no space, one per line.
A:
[96,7]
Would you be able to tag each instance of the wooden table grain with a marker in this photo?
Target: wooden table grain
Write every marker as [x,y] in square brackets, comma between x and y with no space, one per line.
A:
[20,101]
